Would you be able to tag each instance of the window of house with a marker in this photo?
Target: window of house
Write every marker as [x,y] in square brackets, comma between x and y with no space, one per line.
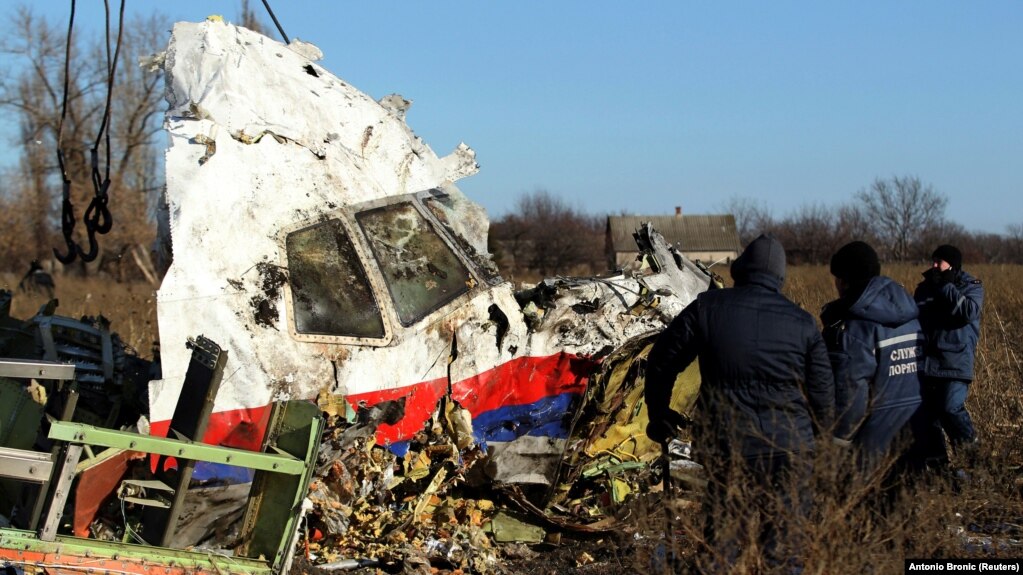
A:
[422,273]
[329,289]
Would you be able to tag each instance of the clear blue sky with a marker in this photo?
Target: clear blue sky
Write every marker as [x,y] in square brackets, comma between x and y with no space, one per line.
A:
[643,106]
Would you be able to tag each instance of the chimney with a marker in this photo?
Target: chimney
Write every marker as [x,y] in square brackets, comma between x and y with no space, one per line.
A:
[678,211]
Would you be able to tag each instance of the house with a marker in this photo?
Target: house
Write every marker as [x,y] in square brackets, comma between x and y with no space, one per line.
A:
[709,238]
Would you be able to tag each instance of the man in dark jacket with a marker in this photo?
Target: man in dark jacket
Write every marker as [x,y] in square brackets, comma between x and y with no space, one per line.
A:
[876,348]
[766,388]
[950,301]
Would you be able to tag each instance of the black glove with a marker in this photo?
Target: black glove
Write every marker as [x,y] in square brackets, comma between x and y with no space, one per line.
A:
[948,276]
[665,425]
[933,276]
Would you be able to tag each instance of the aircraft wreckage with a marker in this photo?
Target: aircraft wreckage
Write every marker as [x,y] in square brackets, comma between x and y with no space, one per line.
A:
[327,252]
[323,244]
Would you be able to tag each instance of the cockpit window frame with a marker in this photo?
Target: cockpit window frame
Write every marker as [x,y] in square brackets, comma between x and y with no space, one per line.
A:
[415,315]
[372,276]
[381,291]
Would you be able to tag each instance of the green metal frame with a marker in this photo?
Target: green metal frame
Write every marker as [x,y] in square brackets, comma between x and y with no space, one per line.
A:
[156,557]
[283,480]
[275,509]
[96,436]
[282,477]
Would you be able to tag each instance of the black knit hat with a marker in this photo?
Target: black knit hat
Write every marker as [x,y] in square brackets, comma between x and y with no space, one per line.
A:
[855,262]
[950,254]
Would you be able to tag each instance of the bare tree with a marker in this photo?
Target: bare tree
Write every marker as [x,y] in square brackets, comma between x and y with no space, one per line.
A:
[852,223]
[1014,240]
[752,216]
[32,94]
[16,221]
[509,241]
[900,210]
[32,90]
[944,232]
[987,247]
[980,246]
[547,236]
[808,234]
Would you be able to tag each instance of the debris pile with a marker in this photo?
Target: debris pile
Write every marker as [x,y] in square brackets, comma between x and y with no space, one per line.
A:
[370,505]
[431,503]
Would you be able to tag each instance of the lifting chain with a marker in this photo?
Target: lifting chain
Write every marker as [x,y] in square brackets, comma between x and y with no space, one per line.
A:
[67,212]
[97,216]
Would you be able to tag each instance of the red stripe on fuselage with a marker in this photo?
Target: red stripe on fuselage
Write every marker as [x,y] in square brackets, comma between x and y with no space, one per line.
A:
[521,381]
[420,401]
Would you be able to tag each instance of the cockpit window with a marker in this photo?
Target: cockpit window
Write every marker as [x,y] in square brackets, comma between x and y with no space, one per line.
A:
[421,271]
[329,289]
[443,207]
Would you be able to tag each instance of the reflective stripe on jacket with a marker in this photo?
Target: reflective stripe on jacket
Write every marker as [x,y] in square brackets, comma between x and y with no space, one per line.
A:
[876,349]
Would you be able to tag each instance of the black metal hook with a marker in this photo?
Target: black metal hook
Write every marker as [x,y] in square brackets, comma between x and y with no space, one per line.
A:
[97,215]
[67,224]
[72,252]
[88,256]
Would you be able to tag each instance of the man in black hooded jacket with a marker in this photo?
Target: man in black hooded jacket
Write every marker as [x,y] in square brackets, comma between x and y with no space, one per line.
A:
[766,389]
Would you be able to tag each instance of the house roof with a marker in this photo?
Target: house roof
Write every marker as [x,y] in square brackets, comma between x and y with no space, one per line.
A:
[690,233]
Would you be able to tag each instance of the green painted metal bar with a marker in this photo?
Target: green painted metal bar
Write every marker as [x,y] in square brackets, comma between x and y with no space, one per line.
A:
[87,434]
[269,528]
[286,547]
[91,552]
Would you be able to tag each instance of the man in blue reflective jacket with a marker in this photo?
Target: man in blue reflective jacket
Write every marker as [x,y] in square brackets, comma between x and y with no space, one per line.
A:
[766,390]
[875,344]
[950,301]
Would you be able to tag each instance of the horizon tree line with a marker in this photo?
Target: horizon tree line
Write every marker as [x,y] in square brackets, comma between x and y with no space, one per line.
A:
[902,217]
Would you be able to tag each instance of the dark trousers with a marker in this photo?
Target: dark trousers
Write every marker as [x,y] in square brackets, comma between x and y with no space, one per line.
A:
[772,491]
[944,406]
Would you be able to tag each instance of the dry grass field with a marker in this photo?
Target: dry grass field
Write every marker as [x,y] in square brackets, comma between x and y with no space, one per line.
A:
[847,533]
